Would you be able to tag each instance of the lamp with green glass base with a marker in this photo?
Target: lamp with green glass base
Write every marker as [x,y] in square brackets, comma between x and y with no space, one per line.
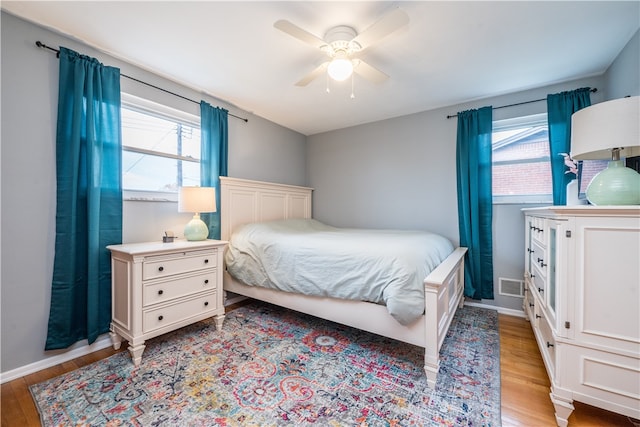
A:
[196,229]
[615,185]
[611,130]
[196,200]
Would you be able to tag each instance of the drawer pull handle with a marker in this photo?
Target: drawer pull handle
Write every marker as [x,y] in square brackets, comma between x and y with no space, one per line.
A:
[160,317]
[549,344]
[538,316]
[160,268]
[531,305]
[206,261]
[206,303]
[540,290]
[160,292]
[533,275]
[206,281]
[542,264]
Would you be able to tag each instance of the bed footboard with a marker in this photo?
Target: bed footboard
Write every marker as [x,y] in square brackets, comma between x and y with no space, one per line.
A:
[443,294]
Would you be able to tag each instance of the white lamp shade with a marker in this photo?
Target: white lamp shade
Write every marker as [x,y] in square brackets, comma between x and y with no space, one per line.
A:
[597,129]
[197,199]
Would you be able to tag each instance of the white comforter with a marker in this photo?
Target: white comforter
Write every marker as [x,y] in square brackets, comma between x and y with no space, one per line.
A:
[309,257]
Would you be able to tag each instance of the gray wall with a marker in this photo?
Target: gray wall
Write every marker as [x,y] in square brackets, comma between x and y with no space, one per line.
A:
[258,150]
[623,76]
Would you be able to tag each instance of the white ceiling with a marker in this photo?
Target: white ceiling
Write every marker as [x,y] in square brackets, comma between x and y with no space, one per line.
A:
[451,52]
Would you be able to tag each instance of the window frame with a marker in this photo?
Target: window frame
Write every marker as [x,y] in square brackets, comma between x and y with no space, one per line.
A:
[142,105]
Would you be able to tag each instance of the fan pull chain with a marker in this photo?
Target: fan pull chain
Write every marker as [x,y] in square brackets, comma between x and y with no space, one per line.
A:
[353,96]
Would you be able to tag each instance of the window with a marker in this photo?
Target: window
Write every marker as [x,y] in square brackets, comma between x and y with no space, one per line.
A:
[160,150]
[521,171]
[520,154]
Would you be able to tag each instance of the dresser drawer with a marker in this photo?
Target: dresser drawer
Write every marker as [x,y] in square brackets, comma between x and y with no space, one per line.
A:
[182,262]
[164,290]
[538,258]
[538,283]
[161,317]
[538,232]
[529,305]
[548,341]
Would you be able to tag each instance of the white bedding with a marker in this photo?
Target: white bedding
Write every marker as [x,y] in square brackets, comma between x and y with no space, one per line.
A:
[306,256]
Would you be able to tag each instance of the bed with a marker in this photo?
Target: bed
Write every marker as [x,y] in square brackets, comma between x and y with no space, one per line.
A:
[247,202]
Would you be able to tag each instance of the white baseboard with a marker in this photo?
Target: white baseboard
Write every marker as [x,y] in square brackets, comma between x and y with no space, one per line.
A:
[501,310]
[102,342]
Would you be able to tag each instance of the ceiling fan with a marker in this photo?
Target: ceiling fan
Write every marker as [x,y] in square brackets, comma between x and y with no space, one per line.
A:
[342,44]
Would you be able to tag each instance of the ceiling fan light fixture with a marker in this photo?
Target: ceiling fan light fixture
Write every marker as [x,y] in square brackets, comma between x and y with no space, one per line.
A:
[340,69]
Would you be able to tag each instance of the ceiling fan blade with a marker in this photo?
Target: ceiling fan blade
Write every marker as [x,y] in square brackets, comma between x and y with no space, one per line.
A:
[313,75]
[389,23]
[297,32]
[368,72]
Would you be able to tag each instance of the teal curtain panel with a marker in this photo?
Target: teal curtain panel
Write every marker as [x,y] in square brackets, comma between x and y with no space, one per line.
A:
[560,107]
[89,199]
[475,205]
[214,147]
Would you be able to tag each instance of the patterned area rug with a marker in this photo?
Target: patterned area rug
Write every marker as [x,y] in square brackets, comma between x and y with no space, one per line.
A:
[271,366]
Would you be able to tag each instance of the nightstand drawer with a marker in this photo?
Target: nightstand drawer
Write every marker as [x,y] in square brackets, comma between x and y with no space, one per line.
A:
[165,290]
[183,262]
[165,316]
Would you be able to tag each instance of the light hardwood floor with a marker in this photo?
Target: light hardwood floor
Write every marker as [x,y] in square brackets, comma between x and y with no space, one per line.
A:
[525,386]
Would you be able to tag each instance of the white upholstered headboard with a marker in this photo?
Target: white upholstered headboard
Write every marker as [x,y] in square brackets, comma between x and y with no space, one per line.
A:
[244,201]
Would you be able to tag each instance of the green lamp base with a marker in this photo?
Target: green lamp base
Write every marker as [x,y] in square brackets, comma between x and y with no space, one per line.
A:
[616,185]
[196,229]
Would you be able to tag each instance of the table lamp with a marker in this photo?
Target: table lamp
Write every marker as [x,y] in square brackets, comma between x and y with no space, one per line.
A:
[609,130]
[196,200]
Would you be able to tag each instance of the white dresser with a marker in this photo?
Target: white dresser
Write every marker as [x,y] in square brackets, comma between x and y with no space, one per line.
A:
[159,287]
[582,273]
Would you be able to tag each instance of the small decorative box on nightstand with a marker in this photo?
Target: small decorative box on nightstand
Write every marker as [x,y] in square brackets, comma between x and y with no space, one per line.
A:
[159,287]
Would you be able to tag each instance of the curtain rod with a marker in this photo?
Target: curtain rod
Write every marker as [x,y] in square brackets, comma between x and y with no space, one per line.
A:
[595,89]
[44,46]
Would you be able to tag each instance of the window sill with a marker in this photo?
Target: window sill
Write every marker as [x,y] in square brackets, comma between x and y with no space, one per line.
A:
[149,196]
[523,200]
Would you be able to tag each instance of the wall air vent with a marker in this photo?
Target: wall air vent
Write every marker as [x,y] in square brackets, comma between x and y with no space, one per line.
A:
[511,287]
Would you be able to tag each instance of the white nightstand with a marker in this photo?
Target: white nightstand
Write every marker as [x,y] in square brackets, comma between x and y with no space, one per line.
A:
[159,287]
